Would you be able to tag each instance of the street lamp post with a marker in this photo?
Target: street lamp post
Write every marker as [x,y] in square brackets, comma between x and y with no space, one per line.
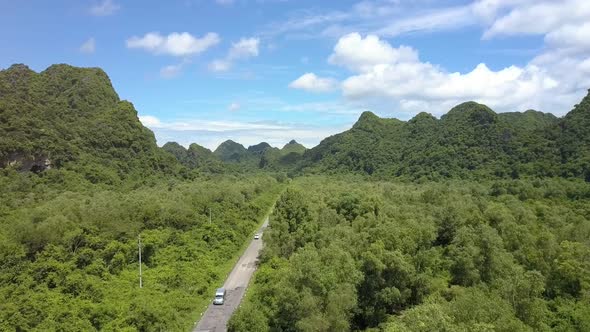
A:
[139,246]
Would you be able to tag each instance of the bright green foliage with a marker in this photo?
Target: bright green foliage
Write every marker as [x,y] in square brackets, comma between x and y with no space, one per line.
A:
[574,143]
[348,254]
[68,259]
[292,224]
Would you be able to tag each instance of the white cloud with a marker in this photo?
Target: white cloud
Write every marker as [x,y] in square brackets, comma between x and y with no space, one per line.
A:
[327,108]
[171,71]
[174,70]
[303,21]
[357,53]
[257,102]
[372,9]
[381,17]
[571,70]
[569,36]
[105,8]
[89,46]
[150,121]
[233,107]
[311,82]
[243,49]
[208,125]
[219,65]
[566,30]
[382,71]
[176,44]
[390,18]
[436,20]
[539,17]
[489,9]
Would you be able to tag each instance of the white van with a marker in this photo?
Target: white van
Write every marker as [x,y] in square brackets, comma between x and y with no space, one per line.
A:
[219,296]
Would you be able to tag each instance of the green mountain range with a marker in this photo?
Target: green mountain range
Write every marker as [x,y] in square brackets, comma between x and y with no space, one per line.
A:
[192,157]
[469,141]
[259,156]
[72,117]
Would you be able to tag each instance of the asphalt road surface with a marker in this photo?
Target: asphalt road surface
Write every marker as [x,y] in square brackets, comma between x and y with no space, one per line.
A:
[216,317]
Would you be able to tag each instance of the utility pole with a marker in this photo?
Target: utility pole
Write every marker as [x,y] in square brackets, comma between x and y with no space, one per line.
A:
[209,216]
[139,246]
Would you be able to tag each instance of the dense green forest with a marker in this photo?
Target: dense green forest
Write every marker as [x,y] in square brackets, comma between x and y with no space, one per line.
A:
[69,256]
[344,253]
[476,221]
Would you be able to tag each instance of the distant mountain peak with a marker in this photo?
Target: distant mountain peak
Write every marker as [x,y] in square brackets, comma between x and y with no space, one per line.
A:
[230,142]
[293,146]
[19,67]
[230,151]
[197,147]
[366,120]
[469,107]
[367,115]
[422,116]
[471,112]
[173,145]
[17,74]
[258,148]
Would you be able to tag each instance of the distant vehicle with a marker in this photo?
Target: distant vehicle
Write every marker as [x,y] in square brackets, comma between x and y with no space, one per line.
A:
[256,236]
[219,296]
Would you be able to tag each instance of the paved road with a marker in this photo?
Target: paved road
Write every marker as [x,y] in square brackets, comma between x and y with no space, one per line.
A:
[216,317]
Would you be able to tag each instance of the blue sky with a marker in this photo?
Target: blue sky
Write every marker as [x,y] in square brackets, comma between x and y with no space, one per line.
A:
[274,70]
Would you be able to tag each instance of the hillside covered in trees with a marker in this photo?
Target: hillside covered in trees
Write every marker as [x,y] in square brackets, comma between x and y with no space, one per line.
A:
[470,141]
[72,117]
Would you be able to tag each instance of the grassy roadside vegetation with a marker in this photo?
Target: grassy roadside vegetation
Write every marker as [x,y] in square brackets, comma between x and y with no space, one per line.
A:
[68,250]
[344,253]
[227,267]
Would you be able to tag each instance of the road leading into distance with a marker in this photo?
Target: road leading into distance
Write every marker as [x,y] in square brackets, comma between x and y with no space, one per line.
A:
[216,317]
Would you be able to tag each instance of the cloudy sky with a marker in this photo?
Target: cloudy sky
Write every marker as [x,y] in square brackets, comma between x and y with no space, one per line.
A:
[274,70]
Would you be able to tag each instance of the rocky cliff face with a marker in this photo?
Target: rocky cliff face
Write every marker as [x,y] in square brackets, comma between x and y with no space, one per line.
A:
[24,163]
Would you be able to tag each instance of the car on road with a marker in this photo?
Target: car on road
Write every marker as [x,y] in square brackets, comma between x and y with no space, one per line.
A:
[219,296]
[257,236]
